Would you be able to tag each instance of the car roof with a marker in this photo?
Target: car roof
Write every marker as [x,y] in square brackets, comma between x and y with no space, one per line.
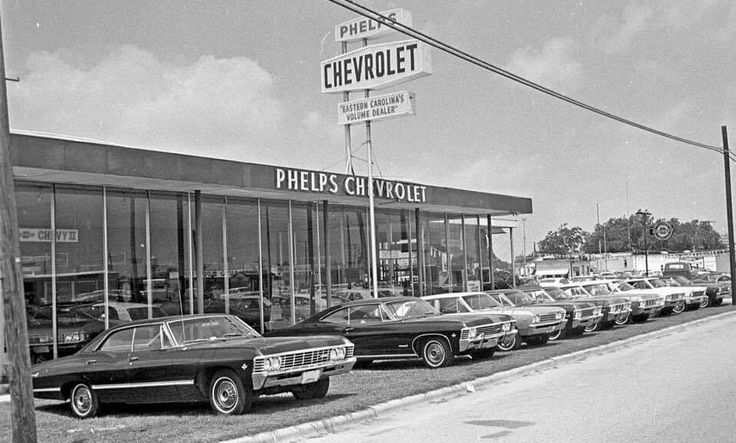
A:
[451,295]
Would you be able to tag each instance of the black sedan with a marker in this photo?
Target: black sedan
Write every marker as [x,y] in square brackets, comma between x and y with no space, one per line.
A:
[192,358]
[407,327]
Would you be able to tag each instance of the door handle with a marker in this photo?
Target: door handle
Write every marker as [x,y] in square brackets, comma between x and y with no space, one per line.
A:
[132,359]
[91,362]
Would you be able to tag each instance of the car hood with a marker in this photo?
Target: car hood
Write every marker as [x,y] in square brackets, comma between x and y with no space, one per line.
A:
[468,320]
[273,345]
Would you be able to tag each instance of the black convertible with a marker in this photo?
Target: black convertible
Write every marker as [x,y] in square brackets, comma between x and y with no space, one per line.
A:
[191,358]
[407,327]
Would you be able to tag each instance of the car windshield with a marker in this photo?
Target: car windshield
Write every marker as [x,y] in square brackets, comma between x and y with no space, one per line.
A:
[597,289]
[519,298]
[481,301]
[559,294]
[623,287]
[187,330]
[658,283]
[681,280]
[411,308]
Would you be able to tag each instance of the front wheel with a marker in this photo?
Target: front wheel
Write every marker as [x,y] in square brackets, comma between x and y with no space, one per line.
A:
[84,401]
[593,327]
[679,307]
[509,343]
[622,321]
[559,334]
[436,353]
[228,396]
[317,389]
[704,302]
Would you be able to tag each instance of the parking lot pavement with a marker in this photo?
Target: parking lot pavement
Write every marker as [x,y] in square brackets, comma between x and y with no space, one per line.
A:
[672,388]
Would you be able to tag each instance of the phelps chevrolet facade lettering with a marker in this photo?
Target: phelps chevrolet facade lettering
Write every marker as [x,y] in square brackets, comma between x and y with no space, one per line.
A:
[325,182]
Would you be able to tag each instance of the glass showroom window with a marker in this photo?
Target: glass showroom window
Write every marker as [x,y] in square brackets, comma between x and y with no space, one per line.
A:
[472,252]
[276,240]
[126,245]
[456,250]
[168,221]
[213,220]
[34,224]
[307,261]
[437,272]
[80,270]
[243,264]
[348,243]
[393,249]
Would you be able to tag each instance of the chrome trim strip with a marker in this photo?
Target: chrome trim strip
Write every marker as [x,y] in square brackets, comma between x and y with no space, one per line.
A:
[150,384]
[48,389]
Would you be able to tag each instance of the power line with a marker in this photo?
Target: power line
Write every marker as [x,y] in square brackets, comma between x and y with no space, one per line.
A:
[367,12]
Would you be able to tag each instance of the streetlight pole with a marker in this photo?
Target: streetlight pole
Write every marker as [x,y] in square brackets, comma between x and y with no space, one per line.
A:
[645,223]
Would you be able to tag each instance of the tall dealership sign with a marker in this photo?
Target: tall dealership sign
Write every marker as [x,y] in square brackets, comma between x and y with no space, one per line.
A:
[369,68]
[376,66]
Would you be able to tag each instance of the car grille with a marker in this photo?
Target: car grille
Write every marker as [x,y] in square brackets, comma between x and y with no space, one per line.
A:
[651,302]
[544,318]
[588,312]
[295,361]
[489,329]
[698,293]
[617,308]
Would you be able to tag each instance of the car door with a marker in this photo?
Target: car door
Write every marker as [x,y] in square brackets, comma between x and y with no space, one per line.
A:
[106,368]
[364,326]
[149,364]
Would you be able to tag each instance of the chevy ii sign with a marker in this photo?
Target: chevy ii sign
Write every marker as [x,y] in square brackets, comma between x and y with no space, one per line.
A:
[376,66]
[364,27]
[379,107]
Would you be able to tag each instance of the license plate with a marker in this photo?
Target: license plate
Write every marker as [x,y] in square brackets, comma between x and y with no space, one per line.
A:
[311,376]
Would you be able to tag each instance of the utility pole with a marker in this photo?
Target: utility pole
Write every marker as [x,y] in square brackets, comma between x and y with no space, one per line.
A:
[729,208]
[22,414]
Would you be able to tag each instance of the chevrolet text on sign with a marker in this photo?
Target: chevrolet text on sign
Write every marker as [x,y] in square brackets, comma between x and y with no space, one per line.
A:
[376,66]
[325,182]
[395,104]
[364,27]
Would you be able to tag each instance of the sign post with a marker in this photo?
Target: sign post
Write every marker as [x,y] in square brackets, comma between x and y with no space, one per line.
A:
[373,67]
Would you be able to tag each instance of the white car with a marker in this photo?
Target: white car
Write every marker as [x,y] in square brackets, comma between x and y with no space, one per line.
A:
[674,297]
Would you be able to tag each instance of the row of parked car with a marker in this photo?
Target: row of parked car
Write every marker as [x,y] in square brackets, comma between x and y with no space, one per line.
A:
[221,359]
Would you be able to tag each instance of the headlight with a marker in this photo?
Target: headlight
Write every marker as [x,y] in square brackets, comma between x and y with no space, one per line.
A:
[472,333]
[266,364]
[71,337]
[333,354]
[506,327]
[627,305]
[597,311]
[558,316]
[275,363]
[578,314]
[535,319]
[341,353]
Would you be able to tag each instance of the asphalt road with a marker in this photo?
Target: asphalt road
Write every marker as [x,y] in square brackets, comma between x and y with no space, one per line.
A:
[673,388]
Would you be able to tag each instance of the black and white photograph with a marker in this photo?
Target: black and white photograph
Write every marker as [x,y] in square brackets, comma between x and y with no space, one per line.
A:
[255,221]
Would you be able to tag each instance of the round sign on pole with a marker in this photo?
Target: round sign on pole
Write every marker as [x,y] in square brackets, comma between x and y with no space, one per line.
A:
[662,231]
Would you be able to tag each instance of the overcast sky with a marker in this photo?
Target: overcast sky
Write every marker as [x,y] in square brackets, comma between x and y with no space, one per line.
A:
[240,80]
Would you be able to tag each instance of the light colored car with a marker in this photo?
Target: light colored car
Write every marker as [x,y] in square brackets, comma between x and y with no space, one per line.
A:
[674,298]
[644,303]
[535,324]
[122,311]
[695,295]
[615,309]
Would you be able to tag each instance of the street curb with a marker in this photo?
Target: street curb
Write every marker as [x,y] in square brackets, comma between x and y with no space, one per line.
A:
[321,427]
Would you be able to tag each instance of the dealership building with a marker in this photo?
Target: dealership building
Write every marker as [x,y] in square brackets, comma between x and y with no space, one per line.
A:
[179,233]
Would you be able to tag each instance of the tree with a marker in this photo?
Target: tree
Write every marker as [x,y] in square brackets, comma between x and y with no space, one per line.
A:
[626,234]
[564,241]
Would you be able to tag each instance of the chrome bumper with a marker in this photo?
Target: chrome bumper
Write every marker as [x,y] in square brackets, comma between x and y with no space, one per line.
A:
[262,380]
